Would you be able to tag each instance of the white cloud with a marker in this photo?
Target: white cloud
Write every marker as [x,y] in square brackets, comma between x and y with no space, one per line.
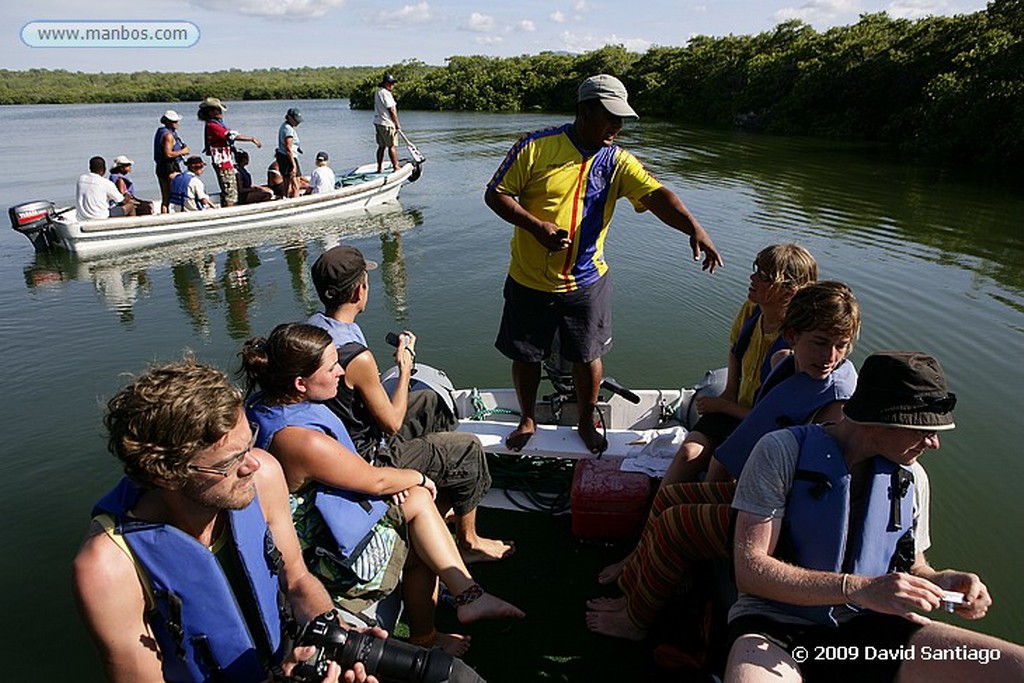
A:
[406,16]
[481,23]
[558,17]
[572,42]
[581,5]
[488,40]
[917,9]
[527,26]
[289,9]
[820,12]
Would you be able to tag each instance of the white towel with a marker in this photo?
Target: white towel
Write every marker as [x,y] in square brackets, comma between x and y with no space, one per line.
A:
[654,451]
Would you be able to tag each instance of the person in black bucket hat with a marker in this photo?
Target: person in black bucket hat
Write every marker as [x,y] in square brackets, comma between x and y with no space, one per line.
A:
[831,530]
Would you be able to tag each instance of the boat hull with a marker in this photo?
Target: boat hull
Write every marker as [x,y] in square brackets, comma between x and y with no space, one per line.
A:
[89,238]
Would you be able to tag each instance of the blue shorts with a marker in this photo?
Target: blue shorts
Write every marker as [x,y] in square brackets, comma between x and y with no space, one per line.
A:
[582,318]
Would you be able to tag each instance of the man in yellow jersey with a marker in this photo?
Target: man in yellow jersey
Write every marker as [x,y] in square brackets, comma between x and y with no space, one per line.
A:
[558,187]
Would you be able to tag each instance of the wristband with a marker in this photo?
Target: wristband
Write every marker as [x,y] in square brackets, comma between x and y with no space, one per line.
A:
[423,482]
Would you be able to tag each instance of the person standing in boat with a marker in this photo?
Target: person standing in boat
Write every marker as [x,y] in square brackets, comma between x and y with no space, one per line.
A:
[220,145]
[408,428]
[288,148]
[188,193]
[385,122]
[125,185]
[832,526]
[169,153]
[191,569]
[97,197]
[558,187]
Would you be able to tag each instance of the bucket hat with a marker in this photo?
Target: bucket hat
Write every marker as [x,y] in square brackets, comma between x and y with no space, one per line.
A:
[902,389]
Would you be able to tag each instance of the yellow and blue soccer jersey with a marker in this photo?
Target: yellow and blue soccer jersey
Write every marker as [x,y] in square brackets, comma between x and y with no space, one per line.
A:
[556,182]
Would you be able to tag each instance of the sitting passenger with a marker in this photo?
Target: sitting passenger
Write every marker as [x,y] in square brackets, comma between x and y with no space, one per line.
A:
[832,526]
[779,271]
[322,177]
[247,192]
[275,180]
[187,190]
[351,517]
[119,176]
[689,522]
[97,197]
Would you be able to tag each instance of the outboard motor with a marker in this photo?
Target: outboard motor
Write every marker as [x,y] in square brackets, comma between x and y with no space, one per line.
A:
[35,221]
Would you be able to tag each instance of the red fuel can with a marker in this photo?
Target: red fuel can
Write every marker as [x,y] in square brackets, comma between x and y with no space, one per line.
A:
[608,504]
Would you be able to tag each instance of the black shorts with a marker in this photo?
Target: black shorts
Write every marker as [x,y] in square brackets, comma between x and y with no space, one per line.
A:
[718,426]
[583,319]
[848,654]
[284,164]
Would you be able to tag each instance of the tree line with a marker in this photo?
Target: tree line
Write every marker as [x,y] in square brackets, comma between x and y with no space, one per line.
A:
[950,88]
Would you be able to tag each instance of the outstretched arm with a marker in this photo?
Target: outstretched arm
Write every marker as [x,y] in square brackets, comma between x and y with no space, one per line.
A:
[664,204]
[511,211]
[308,456]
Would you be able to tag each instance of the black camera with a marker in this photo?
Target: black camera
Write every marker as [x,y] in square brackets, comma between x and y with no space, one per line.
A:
[391,661]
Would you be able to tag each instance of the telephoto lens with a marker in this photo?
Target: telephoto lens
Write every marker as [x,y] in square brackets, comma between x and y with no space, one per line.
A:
[391,661]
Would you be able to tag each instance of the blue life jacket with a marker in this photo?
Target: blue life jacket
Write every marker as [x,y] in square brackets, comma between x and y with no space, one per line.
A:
[786,399]
[341,332]
[158,147]
[350,516]
[179,189]
[743,343]
[128,184]
[196,620]
[816,529]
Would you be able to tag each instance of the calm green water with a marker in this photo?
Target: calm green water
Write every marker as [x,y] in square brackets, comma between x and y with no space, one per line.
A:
[937,261]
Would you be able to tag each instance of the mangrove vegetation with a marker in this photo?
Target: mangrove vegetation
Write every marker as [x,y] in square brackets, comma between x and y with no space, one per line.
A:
[944,87]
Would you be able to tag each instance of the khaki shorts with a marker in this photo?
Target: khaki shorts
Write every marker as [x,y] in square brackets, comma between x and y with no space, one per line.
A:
[228,185]
[386,135]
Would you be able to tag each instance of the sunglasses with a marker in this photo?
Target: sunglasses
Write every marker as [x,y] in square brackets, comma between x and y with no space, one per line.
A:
[229,465]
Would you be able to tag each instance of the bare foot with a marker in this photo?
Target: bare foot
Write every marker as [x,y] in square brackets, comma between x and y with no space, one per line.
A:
[521,435]
[486,550]
[452,643]
[593,440]
[611,573]
[614,624]
[607,604]
[487,606]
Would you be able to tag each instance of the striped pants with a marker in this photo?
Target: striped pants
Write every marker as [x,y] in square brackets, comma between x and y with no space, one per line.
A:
[688,522]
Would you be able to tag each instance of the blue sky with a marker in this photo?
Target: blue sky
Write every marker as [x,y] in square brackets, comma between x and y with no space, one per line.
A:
[248,34]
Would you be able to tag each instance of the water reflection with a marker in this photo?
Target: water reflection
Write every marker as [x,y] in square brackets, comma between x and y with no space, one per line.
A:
[392,271]
[799,187]
[221,273]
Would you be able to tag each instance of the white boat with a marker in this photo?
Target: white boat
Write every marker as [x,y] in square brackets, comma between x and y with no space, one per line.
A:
[49,228]
[646,424]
